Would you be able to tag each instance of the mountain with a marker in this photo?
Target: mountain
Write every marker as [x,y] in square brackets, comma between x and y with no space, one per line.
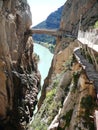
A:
[52,22]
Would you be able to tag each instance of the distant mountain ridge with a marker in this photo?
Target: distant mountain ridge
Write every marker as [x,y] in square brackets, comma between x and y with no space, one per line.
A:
[52,22]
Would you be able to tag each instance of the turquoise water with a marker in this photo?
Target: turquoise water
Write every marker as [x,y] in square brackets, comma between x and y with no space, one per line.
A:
[45,60]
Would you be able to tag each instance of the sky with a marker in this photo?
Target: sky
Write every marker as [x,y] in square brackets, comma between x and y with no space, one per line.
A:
[40,9]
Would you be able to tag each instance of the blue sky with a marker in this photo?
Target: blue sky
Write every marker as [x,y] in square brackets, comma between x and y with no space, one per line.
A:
[42,8]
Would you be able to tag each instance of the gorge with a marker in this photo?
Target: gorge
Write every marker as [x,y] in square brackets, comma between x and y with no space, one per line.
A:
[69,96]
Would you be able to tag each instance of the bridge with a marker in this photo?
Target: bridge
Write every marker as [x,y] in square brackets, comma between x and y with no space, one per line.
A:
[53,32]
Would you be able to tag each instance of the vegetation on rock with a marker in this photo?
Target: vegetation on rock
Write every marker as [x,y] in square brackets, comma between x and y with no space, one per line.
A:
[48,110]
[96,24]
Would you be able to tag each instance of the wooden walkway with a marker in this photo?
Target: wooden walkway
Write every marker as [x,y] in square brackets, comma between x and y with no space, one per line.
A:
[92,74]
[90,38]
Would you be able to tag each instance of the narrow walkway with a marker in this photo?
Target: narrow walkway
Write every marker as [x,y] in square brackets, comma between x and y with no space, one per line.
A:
[90,38]
[92,74]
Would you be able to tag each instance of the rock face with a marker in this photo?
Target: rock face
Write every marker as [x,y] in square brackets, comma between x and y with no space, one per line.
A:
[75,11]
[19,76]
[68,98]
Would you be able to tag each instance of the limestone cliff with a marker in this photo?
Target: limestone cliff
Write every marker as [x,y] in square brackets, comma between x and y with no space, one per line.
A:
[19,76]
[74,11]
[68,98]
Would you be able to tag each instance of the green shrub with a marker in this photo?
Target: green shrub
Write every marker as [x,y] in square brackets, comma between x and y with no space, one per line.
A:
[96,24]
[50,95]
[75,79]
[67,117]
[87,102]
[48,110]
[39,125]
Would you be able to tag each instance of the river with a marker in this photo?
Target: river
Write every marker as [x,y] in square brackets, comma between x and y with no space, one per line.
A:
[45,60]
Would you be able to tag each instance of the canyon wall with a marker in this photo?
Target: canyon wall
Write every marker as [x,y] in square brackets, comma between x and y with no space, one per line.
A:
[67,93]
[19,76]
[75,11]
[68,99]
